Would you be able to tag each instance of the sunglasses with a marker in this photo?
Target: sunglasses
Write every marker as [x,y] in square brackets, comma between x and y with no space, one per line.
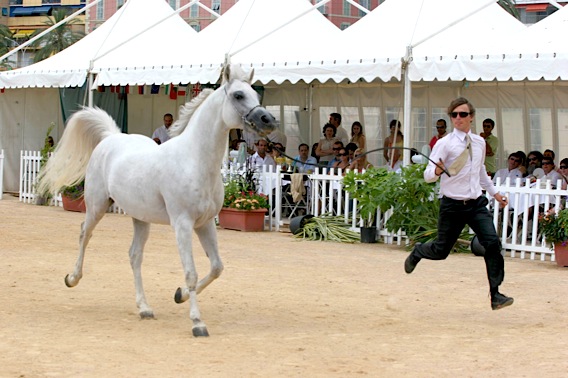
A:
[563,167]
[336,149]
[345,154]
[546,163]
[533,159]
[461,114]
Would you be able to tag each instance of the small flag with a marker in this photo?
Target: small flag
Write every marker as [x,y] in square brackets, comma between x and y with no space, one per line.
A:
[167,89]
[155,89]
[140,89]
[2,90]
[126,89]
[173,92]
[101,88]
[196,90]
[182,90]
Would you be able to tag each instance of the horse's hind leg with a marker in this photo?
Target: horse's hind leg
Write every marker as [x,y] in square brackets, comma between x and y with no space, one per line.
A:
[93,216]
[208,238]
[141,232]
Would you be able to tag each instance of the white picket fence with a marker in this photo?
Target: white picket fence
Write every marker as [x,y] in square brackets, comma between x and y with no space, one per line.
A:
[516,224]
[30,164]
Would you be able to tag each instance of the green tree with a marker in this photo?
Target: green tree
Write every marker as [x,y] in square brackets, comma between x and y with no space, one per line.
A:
[6,43]
[509,6]
[58,39]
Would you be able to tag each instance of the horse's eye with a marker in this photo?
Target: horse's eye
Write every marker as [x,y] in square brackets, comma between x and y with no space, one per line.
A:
[238,95]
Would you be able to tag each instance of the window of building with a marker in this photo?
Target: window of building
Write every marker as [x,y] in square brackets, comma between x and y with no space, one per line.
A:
[173,4]
[194,11]
[324,9]
[101,10]
[196,27]
[216,6]
[119,4]
[346,8]
[344,25]
[365,4]
[4,11]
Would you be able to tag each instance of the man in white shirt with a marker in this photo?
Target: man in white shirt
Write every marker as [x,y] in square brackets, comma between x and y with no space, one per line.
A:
[161,135]
[550,172]
[340,133]
[512,171]
[462,200]
[303,163]
[260,157]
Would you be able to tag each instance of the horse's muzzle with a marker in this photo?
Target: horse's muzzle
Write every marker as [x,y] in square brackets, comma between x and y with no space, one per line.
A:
[261,121]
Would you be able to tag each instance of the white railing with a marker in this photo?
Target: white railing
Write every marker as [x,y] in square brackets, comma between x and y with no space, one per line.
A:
[1,173]
[517,223]
[30,164]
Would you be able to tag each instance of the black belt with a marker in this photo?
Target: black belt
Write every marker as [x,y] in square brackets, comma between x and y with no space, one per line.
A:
[462,202]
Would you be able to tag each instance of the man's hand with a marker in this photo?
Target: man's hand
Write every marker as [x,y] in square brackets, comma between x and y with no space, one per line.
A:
[440,168]
[503,201]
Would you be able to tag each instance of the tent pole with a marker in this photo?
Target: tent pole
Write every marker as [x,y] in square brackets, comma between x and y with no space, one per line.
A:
[90,89]
[407,106]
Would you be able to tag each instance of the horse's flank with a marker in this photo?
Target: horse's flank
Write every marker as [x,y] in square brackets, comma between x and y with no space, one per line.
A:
[186,111]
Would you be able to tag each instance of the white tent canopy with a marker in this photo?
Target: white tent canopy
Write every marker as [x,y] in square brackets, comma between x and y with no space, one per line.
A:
[302,32]
[71,66]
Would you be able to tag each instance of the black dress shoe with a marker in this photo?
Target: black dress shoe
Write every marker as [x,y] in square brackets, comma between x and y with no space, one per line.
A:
[410,263]
[499,301]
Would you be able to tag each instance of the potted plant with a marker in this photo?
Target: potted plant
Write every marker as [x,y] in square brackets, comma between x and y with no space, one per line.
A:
[370,189]
[243,208]
[72,197]
[554,227]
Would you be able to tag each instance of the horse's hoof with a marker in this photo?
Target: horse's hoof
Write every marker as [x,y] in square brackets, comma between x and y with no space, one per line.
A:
[68,283]
[200,332]
[146,315]
[179,297]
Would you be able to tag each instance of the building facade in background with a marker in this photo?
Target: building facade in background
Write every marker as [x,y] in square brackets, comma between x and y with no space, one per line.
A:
[23,17]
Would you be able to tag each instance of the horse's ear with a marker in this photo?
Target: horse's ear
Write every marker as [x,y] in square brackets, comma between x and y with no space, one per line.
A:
[251,75]
[226,73]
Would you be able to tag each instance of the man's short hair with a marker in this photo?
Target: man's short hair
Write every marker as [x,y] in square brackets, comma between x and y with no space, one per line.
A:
[489,121]
[461,101]
[443,121]
[337,116]
[303,144]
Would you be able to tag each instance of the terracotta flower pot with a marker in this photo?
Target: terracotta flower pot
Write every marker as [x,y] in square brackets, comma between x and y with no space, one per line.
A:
[70,204]
[561,254]
[242,220]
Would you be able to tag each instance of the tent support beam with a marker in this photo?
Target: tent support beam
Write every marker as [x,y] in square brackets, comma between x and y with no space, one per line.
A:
[65,20]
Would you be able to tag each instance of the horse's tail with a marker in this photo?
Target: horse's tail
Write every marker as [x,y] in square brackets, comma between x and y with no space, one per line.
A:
[68,164]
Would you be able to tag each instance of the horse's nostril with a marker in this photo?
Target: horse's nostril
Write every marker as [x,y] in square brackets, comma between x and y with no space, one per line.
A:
[265,119]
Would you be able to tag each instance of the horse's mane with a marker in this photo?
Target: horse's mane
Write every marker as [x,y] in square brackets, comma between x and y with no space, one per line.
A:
[186,111]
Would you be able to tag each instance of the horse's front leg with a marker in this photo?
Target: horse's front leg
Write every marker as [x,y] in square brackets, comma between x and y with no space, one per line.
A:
[136,253]
[184,234]
[208,238]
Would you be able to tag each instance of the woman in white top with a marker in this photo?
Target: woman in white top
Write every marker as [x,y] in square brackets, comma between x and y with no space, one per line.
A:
[357,135]
[325,145]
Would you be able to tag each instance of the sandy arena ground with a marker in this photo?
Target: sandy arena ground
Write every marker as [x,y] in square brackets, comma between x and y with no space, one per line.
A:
[282,308]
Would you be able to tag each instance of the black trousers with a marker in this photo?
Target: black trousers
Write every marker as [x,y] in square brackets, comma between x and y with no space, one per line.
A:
[454,215]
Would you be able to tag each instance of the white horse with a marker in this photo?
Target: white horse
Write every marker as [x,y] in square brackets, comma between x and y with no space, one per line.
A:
[177,183]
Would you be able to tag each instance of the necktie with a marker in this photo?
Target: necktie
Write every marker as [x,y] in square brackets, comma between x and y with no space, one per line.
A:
[460,161]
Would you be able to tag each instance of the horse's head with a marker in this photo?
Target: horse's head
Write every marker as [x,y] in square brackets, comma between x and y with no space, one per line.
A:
[245,100]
